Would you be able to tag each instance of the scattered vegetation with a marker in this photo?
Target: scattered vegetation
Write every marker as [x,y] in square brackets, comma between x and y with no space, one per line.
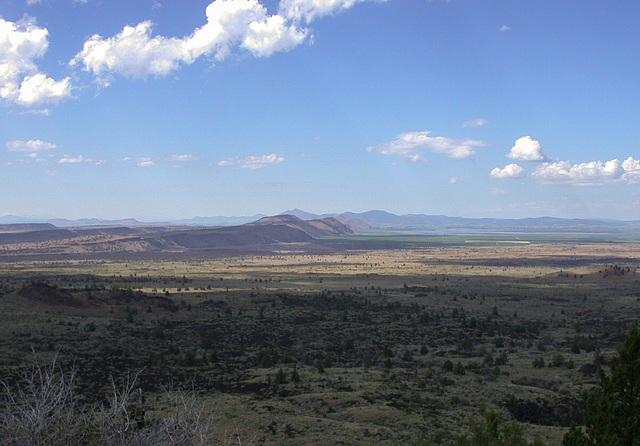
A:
[397,346]
[43,408]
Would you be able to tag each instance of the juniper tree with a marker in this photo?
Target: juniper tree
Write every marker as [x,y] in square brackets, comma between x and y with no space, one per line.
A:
[611,415]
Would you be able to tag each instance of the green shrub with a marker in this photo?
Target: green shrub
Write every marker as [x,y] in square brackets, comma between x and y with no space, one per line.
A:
[611,415]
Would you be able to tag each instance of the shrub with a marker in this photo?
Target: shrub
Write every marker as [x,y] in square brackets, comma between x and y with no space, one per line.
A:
[538,362]
[459,369]
[43,409]
[491,430]
[611,415]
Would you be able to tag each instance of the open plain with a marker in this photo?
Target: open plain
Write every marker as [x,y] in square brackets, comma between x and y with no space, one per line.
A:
[347,340]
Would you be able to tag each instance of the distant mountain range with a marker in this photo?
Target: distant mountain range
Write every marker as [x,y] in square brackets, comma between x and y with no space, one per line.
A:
[385,220]
[366,221]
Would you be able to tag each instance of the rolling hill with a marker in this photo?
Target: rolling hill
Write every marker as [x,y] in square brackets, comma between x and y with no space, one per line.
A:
[155,239]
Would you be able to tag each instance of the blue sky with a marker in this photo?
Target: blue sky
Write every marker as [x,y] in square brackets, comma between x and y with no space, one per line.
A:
[159,109]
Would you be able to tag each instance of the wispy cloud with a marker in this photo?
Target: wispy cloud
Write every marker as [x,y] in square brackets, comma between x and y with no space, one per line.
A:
[80,159]
[504,28]
[41,112]
[478,122]
[253,162]
[66,159]
[182,158]
[145,162]
[309,10]
[498,192]
[412,145]
[33,145]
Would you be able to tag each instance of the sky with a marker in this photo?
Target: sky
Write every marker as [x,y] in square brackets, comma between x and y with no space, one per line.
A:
[167,109]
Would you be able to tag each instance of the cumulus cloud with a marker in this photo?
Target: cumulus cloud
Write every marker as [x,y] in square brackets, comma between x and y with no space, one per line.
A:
[244,24]
[39,89]
[411,146]
[527,149]
[33,145]
[509,171]
[504,28]
[478,122]
[271,35]
[132,53]
[308,10]
[253,162]
[631,168]
[590,173]
[135,53]
[21,44]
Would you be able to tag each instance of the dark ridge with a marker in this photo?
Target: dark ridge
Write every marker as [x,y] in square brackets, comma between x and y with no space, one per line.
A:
[25,227]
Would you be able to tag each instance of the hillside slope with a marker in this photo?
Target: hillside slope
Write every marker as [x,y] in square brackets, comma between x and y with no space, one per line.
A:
[323,227]
[157,239]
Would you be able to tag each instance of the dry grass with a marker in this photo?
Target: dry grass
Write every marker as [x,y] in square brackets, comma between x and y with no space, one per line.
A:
[564,289]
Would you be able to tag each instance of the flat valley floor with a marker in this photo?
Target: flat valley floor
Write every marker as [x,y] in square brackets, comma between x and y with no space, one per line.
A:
[406,343]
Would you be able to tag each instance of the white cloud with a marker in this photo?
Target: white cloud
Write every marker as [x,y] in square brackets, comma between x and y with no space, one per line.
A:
[33,2]
[145,162]
[181,158]
[39,89]
[509,171]
[21,43]
[478,122]
[504,28]
[589,174]
[132,53]
[33,145]
[631,168]
[411,146]
[527,149]
[498,192]
[244,24]
[308,10]
[253,162]
[272,34]
[453,180]
[135,54]
[41,112]
[66,159]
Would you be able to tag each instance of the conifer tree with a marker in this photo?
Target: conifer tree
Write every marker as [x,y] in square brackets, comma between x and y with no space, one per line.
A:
[611,415]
